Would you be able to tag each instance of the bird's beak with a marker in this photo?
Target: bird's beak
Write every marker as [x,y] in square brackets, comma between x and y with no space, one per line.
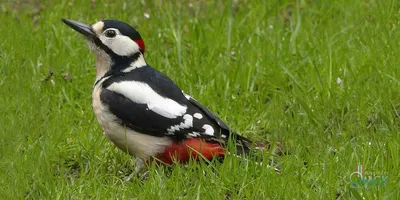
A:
[82,28]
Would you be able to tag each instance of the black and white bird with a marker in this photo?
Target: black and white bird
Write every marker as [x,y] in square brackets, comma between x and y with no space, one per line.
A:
[141,110]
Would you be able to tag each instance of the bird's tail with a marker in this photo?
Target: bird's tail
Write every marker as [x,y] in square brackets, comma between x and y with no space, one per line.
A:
[253,151]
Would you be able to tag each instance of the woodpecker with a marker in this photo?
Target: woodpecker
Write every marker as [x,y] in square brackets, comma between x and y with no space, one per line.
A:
[141,110]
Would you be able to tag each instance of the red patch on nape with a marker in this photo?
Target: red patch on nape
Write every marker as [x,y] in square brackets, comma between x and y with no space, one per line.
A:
[190,148]
[141,45]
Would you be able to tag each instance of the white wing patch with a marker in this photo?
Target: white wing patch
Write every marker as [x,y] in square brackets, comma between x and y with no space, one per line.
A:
[208,130]
[198,115]
[142,93]
[194,134]
[187,123]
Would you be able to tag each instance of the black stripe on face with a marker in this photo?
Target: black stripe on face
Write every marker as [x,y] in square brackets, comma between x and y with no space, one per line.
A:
[119,64]
[102,46]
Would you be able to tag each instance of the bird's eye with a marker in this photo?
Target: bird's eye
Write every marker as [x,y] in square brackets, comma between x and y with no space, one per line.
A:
[110,33]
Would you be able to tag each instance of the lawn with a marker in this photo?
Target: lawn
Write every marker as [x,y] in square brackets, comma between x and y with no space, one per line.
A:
[319,80]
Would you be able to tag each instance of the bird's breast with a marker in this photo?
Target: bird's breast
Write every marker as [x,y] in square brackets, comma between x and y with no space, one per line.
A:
[98,108]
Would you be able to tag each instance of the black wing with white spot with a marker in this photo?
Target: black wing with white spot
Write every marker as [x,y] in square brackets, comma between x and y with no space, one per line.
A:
[147,101]
[210,114]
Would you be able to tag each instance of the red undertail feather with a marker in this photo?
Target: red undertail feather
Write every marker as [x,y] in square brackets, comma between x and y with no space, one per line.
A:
[190,148]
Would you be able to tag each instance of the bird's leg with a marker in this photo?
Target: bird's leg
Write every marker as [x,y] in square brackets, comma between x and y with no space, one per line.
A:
[140,166]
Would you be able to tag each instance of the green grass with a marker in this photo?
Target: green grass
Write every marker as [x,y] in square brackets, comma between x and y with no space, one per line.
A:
[268,75]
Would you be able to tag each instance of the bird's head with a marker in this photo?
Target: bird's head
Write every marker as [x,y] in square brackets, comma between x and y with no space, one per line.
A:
[114,43]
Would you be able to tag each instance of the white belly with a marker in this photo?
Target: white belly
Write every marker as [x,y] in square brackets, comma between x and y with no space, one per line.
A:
[140,145]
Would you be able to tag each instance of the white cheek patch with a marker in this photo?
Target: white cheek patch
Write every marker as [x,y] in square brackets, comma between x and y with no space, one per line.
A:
[142,93]
[120,44]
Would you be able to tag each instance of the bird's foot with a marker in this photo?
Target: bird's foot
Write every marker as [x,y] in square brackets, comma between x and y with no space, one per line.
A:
[140,166]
